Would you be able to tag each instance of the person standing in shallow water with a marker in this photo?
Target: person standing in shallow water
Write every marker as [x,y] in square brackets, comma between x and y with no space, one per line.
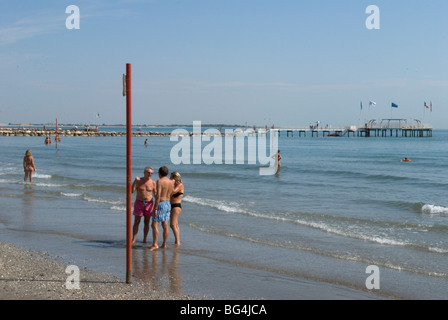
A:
[28,165]
[164,190]
[176,206]
[144,202]
[277,157]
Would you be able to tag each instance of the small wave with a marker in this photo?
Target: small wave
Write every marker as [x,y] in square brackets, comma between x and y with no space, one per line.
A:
[118,208]
[105,201]
[347,232]
[71,194]
[41,176]
[433,209]
[230,207]
[115,205]
[361,233]
[337,255]
[50,185]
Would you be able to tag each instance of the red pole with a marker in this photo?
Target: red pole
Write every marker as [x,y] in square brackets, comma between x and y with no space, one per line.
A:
[56,139]
[128,175]
[57,133]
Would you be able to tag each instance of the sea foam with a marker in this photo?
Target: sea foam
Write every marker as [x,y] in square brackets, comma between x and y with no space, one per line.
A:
[433,209]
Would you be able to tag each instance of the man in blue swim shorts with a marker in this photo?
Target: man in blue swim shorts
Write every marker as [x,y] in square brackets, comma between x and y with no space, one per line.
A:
[164,187]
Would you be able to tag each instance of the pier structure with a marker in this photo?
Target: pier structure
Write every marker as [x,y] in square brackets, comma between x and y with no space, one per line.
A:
[319,132]
[395,127]
[373,128]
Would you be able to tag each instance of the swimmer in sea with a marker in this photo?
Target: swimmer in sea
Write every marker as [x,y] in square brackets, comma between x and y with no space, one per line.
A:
[277,157]
[28,165]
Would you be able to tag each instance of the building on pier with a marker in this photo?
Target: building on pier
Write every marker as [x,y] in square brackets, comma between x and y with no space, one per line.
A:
[395,127]
[373,128]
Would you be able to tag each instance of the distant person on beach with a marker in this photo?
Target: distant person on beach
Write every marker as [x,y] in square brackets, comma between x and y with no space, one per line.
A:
[144,202]
[164,190]
[176,207]
[28,165]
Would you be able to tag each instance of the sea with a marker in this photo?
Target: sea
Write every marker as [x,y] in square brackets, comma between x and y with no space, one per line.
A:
[344,218]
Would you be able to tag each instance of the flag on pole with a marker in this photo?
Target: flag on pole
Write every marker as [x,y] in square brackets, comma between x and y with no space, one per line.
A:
[372,103]
[427,107]
[394,105]
[361,105]
[431,105]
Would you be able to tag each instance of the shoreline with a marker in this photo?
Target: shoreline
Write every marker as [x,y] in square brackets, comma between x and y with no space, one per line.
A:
[33,275]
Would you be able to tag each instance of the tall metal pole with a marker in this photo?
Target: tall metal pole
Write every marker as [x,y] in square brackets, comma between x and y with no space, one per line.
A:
[56,139]
[128,175]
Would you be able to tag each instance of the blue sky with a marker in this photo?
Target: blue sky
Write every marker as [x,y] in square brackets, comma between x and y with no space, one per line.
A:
[282,62]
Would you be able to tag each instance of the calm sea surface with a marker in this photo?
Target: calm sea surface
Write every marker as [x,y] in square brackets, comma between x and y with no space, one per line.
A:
[339,205]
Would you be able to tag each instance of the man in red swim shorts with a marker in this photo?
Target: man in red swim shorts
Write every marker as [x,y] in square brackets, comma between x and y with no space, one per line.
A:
[144,202]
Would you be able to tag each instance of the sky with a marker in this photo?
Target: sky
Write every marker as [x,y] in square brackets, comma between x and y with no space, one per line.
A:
[257,62]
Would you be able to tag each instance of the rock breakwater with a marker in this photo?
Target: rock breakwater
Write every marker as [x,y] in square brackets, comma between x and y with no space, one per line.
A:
[14,132]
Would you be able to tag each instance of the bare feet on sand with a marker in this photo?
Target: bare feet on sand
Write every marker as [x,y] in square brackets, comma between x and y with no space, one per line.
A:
[155,247]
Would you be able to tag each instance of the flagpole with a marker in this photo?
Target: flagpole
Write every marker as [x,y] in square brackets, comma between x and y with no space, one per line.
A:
[424,112]
[360,113]
[430,111]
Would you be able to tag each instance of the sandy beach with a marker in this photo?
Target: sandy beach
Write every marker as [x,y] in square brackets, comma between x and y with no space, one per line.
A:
[30,275]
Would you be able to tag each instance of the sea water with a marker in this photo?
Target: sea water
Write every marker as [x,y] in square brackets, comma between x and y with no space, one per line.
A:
[338,206]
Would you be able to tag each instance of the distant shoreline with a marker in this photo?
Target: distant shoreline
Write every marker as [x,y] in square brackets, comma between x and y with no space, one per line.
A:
[32,132]
[93,132]
[69,125]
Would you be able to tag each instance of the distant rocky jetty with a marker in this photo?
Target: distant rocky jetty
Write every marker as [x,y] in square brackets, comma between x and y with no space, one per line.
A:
[74,132]
[14,132]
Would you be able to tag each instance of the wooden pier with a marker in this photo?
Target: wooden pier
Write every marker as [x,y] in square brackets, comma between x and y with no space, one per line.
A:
[385,128]
[395,128]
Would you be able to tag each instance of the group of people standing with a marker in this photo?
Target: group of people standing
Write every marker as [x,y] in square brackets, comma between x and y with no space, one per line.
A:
[160,200]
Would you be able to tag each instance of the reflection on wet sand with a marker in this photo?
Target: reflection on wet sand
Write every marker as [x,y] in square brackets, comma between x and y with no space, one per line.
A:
[157,268]
[28,196]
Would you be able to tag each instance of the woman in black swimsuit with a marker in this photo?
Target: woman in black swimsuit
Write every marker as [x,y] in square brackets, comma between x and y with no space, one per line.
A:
[176,206]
